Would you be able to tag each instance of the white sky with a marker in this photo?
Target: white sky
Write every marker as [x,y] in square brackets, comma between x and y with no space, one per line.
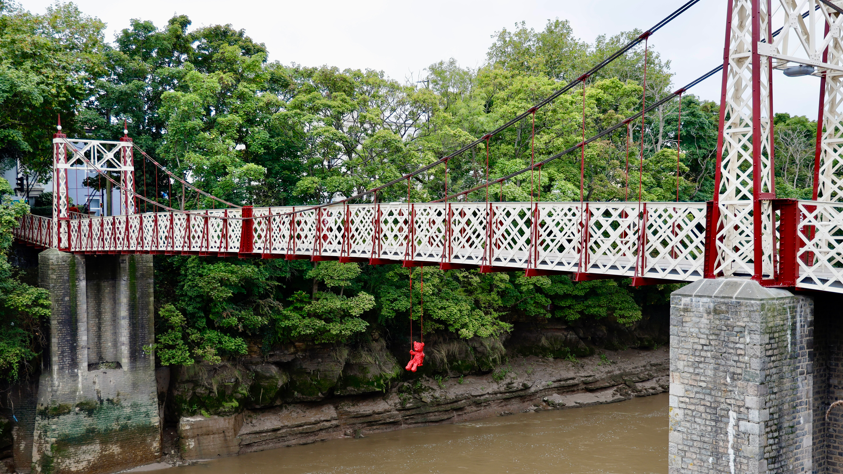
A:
[402,38]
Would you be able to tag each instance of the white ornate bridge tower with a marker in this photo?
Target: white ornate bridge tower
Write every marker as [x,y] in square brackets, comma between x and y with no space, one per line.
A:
[89,155]
[807,40]
[749,387]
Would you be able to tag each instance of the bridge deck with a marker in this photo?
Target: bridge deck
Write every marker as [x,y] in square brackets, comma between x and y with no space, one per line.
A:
[597,239]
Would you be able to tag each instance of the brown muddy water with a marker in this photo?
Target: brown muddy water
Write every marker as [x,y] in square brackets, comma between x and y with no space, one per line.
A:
[627,437]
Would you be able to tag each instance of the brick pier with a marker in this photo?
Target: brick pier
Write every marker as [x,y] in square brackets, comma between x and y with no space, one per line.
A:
[97,408]
[742,396]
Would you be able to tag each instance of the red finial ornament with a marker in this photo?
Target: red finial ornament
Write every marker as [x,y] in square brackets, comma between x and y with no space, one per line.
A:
[58,133]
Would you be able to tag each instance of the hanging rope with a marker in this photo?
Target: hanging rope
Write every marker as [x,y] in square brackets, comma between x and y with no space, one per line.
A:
[678,145]
[626,173]
[421,307]
[411,309]
[643,111]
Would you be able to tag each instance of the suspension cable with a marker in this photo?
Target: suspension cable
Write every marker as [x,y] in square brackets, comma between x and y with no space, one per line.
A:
[606,61]
[594,138]
[411,308]
[618,125]
[183,182]
[421,306]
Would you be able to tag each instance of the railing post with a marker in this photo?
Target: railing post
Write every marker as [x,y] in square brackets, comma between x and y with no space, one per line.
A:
[786,272]
[247,234]
[712,221]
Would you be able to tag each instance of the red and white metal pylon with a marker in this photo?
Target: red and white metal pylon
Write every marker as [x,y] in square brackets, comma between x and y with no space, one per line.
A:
[745,173]
[61,233]
[127,174]
[745,181]
[90,155]
[828,185]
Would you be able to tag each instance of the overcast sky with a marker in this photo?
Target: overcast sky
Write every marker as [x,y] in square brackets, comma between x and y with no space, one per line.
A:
[402,38]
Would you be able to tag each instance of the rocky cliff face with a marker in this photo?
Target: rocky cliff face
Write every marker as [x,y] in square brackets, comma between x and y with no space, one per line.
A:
[361,404]
[303,393]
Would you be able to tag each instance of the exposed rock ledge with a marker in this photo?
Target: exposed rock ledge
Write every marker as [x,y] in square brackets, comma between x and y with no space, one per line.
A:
[525,384]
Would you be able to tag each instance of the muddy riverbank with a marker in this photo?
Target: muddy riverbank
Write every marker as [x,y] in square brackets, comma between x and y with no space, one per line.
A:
[524,384]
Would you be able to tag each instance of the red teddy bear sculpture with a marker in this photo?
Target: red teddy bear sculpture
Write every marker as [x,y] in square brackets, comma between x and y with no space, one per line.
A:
[418,356]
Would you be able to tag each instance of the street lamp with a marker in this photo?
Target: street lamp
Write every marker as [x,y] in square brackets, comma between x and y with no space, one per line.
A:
[799,71]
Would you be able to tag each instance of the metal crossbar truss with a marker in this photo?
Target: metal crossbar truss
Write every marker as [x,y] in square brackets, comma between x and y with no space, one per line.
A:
[809,33]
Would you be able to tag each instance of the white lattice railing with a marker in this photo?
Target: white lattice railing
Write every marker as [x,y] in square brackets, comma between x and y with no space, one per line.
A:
[35,230]
[495,235]
[820,249]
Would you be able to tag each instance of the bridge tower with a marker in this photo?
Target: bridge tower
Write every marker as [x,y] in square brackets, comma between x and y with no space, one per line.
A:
[749,385]
[807,40]
[89,155]
[97,405]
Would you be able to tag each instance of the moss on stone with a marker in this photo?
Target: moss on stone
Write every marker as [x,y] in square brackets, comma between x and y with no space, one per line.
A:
[87,406]
[314,375]
[59,410]
[268,380]
[211,389]
[369,368]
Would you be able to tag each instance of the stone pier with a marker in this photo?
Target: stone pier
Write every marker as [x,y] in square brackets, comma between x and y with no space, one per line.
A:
[742,396]
[97,406]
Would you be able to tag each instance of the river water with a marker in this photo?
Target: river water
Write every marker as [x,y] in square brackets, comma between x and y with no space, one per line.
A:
[628,437]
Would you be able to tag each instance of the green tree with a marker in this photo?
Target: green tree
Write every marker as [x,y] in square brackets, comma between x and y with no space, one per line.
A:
[23,308]
[48,66]
[325,316]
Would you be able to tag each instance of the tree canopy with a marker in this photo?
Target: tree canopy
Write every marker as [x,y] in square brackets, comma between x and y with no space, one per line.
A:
[210,105]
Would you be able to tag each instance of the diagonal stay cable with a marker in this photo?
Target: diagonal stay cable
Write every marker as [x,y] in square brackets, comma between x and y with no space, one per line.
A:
[604,132]
[164,169]
[623,50]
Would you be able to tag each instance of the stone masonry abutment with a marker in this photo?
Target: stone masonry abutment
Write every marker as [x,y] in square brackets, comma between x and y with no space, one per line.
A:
[751,379]
[97,408]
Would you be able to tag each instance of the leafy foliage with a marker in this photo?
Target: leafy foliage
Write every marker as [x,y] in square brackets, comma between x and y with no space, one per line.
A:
[211,107]
[22,307]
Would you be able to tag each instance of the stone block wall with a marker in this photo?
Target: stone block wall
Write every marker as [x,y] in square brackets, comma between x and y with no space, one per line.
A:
[97,409]
[828,383]
[741,391]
